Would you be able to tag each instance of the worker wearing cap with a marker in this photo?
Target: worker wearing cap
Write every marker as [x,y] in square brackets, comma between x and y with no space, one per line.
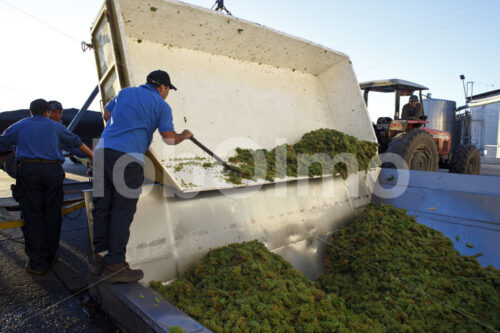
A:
[40,181]
[56,112]
[412,110]
[132,117]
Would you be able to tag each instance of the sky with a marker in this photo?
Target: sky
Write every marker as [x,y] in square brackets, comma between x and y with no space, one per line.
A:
[428,42]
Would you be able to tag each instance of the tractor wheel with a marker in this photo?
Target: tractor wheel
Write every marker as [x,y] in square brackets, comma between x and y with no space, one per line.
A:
[466,160]
[418,149]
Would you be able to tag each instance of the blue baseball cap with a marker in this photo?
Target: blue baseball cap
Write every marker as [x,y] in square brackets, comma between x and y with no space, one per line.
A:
[55,105]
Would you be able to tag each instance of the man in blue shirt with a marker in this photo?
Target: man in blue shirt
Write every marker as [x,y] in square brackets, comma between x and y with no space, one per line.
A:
[56,112]
[40,181]
[132,117]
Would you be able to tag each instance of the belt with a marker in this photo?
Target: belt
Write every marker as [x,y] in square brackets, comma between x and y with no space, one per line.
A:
[37,160]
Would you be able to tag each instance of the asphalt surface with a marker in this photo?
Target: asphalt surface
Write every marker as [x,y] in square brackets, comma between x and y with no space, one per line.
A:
[44,303]
[490,169]
[56,301]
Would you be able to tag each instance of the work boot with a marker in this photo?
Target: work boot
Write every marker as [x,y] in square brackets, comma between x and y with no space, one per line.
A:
[33,271]
[121,273]
[97,267]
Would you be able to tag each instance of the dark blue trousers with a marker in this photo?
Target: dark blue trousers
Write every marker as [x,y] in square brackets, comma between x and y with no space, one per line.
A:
[118,178]
[40,187]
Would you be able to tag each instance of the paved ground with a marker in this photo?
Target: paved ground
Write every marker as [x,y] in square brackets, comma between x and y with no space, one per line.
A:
[53,302]
[490,169]
[44,304]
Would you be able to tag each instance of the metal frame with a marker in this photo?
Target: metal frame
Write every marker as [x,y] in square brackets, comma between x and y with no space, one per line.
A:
[84,108]
[116,67]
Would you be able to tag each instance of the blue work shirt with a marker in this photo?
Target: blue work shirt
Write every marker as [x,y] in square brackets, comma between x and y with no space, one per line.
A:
[38,137]
[136,112]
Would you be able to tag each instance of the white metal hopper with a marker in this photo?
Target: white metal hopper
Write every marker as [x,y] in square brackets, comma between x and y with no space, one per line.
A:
[239,84]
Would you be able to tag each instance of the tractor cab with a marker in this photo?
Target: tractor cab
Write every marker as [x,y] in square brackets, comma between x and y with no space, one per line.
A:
[397,86]
[387,128]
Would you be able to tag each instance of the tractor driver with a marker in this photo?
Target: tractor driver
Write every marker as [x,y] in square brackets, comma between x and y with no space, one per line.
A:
[412,110]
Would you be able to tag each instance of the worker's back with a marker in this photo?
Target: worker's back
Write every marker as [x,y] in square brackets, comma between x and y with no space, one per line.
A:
[40,137]
[136,113]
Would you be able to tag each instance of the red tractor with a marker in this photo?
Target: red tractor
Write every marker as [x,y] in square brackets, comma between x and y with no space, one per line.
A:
[422,148]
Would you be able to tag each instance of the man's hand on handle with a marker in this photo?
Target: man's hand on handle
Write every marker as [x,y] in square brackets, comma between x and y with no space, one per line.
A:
[186,134]
[172,138]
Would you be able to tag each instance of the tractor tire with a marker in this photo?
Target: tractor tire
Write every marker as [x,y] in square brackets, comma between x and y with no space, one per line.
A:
[466,160]
[418,149]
